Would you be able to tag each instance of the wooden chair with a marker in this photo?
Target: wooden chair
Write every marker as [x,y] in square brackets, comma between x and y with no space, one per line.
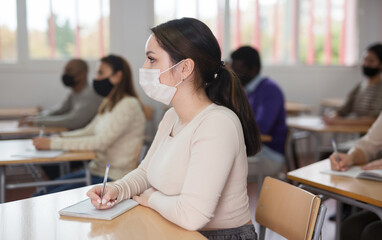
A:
[289,211]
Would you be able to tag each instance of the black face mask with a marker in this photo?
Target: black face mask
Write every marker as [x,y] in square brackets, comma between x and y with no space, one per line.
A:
[68,80]
[103,87]
[370,72]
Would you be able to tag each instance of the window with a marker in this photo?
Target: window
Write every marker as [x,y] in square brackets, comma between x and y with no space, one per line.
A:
[311,32]
[327,32]
[8,31]
[72,28]
[207,11]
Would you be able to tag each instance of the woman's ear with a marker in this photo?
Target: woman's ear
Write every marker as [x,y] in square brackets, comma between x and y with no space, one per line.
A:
[116,78]
[188,68]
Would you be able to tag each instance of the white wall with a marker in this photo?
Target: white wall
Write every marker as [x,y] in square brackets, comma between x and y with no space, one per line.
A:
[310,85]
[31,84]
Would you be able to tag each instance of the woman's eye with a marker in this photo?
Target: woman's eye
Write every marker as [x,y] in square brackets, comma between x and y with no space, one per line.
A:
[151,59]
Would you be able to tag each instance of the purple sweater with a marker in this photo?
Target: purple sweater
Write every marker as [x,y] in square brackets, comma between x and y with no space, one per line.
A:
[267,102]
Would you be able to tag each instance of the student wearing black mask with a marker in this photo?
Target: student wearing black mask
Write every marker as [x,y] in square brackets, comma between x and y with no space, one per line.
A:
[79,107]
[364,103]
[116,132]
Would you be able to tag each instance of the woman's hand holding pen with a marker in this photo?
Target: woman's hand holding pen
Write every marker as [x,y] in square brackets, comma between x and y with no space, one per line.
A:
[340,161]
[109,198]
[41,143]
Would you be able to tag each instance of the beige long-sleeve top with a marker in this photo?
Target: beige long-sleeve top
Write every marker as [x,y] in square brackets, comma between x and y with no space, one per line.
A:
[371,143]
[116,136]
[200,173]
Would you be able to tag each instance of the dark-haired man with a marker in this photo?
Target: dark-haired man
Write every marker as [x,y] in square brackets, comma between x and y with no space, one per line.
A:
[267,102]
[79,107]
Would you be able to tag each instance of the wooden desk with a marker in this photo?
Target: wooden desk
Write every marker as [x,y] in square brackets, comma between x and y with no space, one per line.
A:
[316,126]
[295,108]
[358,192]
[37,218]
[332,103]
[12,147]
[265,138]
[15,113]
[10,128]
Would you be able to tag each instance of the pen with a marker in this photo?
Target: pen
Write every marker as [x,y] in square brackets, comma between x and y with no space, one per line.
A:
[104,183]
[335,150]
[41,131]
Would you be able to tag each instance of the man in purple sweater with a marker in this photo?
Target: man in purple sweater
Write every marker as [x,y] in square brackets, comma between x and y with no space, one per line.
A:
[267,102]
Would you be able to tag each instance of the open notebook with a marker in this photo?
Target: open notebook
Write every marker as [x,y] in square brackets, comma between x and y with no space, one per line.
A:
[85,209]
[33,153]
[357,172]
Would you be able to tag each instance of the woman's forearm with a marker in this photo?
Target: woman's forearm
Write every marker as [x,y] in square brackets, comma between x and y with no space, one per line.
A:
[357,156]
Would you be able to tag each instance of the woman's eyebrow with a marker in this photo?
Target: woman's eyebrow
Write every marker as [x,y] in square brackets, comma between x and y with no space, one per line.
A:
[149,52]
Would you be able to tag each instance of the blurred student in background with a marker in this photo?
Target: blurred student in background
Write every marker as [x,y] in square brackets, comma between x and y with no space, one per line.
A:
[364,102]
[115,134]
[363,225]
[79,107]
[267,102]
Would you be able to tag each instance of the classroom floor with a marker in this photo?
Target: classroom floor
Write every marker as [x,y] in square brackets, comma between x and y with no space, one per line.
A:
[20,173]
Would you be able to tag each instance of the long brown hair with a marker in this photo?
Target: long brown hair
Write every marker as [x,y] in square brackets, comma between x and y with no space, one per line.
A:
[124,87]
[191,38]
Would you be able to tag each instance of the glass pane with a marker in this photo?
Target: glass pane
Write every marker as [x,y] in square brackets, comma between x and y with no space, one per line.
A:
[64,29]
[8,30]
[272,21]
[38,16]
[206,11]
[337,15]
[269,22]
[284,31]
[322,21]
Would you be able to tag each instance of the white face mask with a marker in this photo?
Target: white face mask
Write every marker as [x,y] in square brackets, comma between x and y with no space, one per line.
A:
[149,81]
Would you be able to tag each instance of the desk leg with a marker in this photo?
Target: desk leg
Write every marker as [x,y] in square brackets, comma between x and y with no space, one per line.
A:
[87,173]
[2,184]
[318,145]
[338,218]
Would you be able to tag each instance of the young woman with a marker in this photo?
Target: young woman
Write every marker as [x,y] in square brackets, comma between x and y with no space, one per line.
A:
[195,173]
[364,102]
[115,134]
[362,225]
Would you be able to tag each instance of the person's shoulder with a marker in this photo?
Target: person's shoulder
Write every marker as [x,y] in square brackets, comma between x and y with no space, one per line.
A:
[167,120]
[379,85]
[270,83]
[219,121]
[169,114]
[129,100]
[223,114]
[360,85]
[89,92]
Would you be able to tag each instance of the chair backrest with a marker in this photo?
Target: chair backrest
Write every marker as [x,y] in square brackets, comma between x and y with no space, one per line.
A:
[288,210]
